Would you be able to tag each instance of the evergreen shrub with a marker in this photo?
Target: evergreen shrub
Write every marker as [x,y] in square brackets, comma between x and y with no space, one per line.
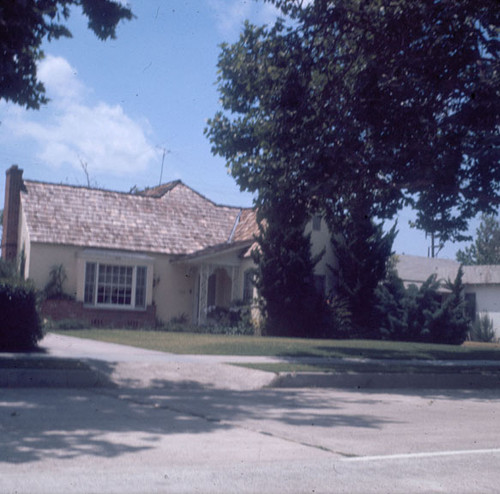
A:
[482,330]
[423,314]
[20,327]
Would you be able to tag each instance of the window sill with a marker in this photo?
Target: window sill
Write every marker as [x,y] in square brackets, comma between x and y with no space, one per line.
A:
[121,308]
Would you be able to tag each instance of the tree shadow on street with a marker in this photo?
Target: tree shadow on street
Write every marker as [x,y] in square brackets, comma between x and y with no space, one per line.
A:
[108,422]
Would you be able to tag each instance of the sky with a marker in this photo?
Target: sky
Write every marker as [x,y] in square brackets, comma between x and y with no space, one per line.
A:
[132,111]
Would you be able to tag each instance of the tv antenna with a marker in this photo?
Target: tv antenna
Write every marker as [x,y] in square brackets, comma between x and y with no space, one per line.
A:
[165,151]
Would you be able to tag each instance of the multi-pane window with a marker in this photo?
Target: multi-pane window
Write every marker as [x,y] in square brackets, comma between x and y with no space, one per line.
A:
[115,285]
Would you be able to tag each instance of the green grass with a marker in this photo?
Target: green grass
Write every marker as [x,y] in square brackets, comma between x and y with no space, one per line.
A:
[353,367]
[194,343]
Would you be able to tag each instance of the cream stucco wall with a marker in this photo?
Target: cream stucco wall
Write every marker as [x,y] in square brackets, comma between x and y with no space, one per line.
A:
[40,258]
[174,289]
[321,240]
[170,286]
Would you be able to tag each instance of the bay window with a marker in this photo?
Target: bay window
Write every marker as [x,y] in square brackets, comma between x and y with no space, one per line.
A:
[115,285]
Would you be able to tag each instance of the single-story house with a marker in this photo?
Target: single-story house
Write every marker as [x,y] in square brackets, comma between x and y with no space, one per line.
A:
[132,259]
[481,283]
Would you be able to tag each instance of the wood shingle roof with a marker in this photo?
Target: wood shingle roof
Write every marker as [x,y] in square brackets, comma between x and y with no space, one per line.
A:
[170,219]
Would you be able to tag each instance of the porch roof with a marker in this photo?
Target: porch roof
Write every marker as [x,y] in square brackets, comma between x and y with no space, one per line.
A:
[216,251]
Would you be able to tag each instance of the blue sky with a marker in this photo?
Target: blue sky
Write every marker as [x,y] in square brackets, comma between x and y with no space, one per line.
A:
[120,106]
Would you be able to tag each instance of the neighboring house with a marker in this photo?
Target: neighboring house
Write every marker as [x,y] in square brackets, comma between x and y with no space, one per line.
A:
[132,259]
[481,283]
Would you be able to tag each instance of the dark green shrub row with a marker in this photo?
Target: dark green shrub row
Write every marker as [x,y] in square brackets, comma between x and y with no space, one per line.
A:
[20,328]
[423,314]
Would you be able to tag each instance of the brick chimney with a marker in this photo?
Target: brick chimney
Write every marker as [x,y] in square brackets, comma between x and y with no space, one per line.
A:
[13,186]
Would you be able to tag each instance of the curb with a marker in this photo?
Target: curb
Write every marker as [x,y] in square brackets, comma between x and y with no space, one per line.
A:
[86,376]
[387,380]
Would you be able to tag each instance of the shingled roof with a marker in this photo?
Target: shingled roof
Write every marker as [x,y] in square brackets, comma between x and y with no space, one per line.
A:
[170,219]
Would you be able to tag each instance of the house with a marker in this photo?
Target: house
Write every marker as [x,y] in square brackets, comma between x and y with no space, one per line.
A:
[132,259]
[481,283]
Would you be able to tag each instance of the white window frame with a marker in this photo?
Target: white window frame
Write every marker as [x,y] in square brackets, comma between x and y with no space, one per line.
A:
[116,259]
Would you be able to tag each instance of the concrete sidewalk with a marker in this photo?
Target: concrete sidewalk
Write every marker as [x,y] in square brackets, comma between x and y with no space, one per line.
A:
[109,364]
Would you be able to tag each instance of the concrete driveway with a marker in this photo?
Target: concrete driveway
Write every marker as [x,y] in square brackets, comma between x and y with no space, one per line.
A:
[166,435]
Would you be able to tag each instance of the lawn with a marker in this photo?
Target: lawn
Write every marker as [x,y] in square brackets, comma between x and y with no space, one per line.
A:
[195,343]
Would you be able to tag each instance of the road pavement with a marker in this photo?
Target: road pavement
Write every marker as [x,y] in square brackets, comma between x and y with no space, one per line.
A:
[186,430]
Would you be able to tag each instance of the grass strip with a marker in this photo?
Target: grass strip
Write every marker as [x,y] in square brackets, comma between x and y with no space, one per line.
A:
[207,344]
[371,368]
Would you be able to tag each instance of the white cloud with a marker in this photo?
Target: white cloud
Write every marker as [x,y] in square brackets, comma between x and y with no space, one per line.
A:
[230,14]
[69,130]
[60,81]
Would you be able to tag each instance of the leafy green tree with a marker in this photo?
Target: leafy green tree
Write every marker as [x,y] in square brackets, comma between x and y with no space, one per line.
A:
[486,247]
[394,99]
[24,25]
[401,94]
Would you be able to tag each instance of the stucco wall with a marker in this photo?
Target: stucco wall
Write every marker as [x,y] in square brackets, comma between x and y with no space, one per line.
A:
[173,292]
[42,257]
[321,240]
[487,302]
[170,286]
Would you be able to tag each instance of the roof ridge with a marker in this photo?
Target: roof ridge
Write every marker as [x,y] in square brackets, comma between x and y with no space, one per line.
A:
[168,186]
[239,208]
[79,187]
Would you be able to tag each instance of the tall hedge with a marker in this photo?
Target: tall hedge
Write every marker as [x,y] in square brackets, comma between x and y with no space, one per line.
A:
[20,327]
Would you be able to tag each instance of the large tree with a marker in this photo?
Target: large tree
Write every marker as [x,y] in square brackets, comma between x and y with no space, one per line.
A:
[395,100]
[486,246]
[25,24]
[401,95]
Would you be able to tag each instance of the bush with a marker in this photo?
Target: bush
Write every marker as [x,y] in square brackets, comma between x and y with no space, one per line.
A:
[66,324]
[20,328]
[340,324]
[54,287]
[228,321]
[422,314]
[482,330]
[8,270]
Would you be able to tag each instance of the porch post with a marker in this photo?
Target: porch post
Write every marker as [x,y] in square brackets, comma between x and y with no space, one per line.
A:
[205,271]
[235,276]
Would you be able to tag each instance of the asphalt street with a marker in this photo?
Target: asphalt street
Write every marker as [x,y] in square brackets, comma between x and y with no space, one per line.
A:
[175,433]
